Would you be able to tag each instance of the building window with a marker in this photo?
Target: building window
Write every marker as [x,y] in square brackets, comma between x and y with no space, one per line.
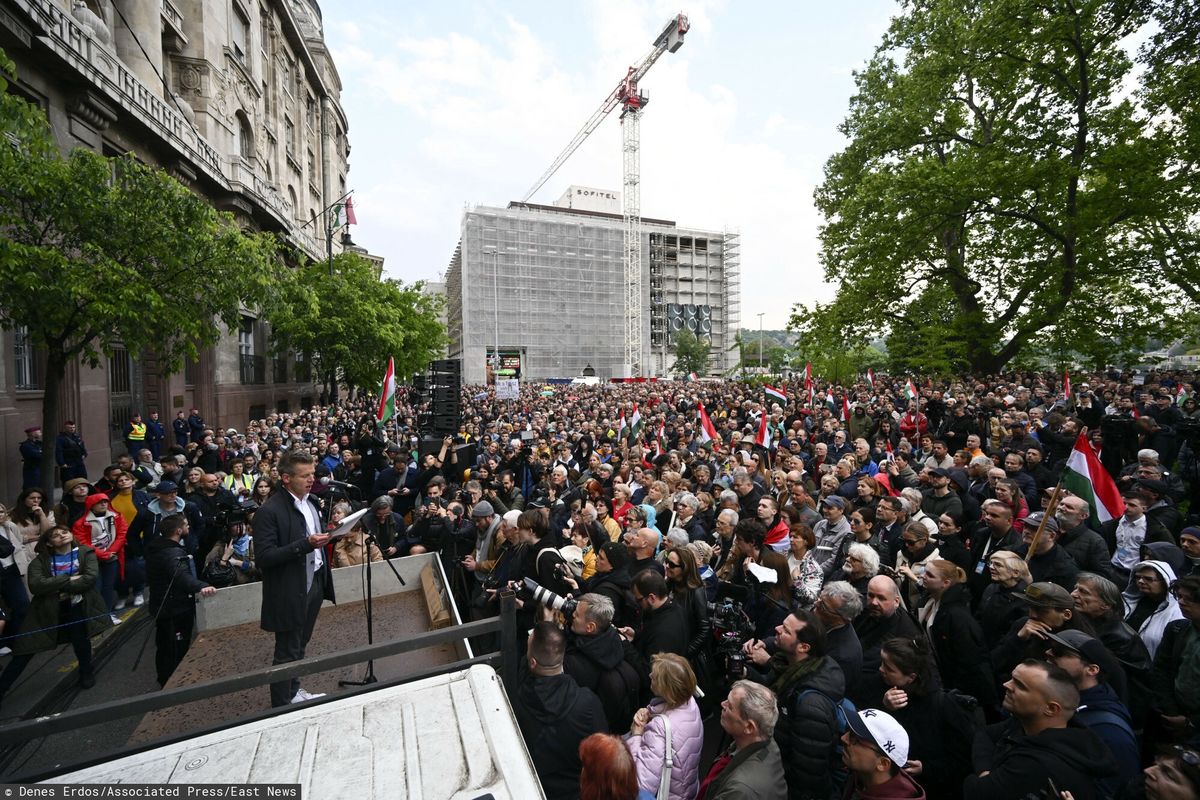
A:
[311,112]
[25,366]
[240,35]
[289,70]
[289,136]
[120,372]
[245,136]
[246,337]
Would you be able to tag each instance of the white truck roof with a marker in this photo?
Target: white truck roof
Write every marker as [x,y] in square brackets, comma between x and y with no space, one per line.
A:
[448,737]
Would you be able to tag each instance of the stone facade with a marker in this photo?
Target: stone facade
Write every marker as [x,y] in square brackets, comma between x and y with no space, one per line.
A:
[239,100]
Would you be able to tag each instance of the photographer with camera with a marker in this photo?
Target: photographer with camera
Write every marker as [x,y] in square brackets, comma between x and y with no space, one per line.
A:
[663,627]
[214,504]
[503,493]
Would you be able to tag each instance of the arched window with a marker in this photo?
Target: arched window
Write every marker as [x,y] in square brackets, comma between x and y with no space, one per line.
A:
[295,203]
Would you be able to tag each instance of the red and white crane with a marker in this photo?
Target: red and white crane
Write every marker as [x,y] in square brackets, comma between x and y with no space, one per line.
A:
[632,101]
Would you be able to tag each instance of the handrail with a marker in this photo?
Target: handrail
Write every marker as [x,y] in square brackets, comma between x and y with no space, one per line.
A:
[505,625]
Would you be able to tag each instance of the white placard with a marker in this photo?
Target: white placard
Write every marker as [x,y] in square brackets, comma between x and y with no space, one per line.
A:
[508,389]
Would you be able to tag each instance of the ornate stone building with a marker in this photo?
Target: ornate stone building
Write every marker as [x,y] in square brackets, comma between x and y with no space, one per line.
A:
[239,100]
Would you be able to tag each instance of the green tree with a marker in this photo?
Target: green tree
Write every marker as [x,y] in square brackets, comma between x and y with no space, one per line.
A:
[691,353]
[98,252]
[999,186]
[348,324]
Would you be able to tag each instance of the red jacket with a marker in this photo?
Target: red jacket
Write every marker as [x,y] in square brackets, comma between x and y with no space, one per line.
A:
[88,529]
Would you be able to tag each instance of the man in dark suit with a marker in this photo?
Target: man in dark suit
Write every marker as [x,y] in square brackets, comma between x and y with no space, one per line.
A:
[289,548]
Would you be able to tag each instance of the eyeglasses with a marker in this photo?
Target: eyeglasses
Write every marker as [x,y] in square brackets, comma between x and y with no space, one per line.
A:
[1148,579]
[671,564]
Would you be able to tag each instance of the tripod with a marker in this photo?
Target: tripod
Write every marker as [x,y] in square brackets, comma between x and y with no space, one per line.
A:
[368,598]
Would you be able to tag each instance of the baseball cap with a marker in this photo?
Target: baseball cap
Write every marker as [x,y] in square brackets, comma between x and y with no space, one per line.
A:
[939,472]
[166,487]
[1088,648]
[835,501]
[1047,595]
[882,730]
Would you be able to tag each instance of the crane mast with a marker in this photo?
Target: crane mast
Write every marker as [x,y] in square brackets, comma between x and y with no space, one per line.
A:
[632,101]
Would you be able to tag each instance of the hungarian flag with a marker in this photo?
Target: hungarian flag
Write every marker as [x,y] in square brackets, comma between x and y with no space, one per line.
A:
[343,213]
[808,383]
[707,432]
[387,395]
[1181,394]
[1066,385]
[763,438]
[778,394]
[660,438]
[910,390]
[1084,477]
[635,424]
[692,377]
[846,407]
[871,377]
[621,426]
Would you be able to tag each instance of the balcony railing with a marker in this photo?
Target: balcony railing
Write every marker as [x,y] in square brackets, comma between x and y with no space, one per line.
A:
[253,369]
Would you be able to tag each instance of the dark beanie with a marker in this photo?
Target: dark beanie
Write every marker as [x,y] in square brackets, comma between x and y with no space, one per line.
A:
[617,554]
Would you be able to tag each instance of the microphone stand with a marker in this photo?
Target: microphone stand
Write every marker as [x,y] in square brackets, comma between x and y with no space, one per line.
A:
[368,540]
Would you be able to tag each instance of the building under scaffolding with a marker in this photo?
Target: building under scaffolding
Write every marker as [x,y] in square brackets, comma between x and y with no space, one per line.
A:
[543,285]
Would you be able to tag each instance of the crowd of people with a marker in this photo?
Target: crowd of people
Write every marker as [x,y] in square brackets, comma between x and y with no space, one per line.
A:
[876,590]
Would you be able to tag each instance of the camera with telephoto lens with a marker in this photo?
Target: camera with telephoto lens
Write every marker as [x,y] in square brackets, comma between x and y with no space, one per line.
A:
[532,590]
[731,628]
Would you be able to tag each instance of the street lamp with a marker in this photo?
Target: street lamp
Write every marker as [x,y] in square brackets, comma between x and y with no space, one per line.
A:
[760,338]
[495,254]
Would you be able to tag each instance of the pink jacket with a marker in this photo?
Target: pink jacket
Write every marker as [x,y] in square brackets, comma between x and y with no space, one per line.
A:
[687,738]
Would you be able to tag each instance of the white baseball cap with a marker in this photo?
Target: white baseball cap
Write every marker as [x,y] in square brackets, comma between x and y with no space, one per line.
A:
[882,730]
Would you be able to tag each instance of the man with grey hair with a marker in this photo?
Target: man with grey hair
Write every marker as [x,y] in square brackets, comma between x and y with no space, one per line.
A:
[837,606]
[1085,545]
[595,658]
[752,765]
[747,491]
[727,520]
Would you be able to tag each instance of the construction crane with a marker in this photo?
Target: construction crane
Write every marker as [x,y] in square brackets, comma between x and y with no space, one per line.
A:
[632,101]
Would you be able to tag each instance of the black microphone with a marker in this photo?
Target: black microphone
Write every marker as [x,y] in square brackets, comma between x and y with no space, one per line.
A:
[327,481]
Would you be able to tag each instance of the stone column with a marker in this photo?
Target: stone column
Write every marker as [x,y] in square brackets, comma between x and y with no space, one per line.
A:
[144,18]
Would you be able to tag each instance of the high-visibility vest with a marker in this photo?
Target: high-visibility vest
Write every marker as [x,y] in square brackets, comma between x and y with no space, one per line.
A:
[137,431]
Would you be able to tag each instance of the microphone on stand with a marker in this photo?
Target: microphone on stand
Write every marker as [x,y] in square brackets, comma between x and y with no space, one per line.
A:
[327,481]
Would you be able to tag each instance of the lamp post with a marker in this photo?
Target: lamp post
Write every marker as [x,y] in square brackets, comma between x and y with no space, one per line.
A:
[760,338]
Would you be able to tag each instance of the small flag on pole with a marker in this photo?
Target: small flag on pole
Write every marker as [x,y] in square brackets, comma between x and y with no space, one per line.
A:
[387,395]
[350,218]
[1067,385]
[763,438]
[778,394]
[846,407]
[622,427]
[910,390]
[635,424]
[871,377]
[660,439]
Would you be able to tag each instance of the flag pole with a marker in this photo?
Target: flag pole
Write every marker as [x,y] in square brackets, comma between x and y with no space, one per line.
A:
[1050,509]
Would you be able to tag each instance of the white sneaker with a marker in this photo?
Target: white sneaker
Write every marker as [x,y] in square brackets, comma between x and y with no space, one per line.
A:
[120,604]
[138,600]
[4,651]
[115,619]
[302,695]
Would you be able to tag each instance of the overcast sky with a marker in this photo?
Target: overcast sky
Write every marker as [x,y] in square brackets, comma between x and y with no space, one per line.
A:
[460,103]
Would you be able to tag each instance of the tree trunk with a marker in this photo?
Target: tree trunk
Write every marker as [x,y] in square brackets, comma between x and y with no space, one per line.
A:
[56,370]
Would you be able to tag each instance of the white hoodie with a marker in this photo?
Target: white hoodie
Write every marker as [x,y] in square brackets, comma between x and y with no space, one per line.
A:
[1151,630]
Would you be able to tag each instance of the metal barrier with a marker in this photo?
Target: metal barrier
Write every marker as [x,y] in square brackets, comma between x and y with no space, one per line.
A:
[505,659]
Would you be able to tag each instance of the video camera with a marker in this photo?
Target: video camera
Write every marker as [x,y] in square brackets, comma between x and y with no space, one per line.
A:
[731,628]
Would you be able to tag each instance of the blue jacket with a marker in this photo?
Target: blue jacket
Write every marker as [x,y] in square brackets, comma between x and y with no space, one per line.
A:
[1101,710]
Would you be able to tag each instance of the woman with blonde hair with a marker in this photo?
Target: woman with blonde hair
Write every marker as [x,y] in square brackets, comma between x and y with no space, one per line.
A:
[958,646]
[672,715]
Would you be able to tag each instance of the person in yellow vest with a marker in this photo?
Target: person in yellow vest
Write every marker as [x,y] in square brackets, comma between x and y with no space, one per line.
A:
[135,435]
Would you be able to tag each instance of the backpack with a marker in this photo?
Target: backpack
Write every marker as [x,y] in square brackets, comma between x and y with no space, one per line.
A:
[842,710]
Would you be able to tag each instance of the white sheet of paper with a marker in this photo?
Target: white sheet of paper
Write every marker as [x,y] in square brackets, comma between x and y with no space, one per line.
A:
[764,574]
[348,522]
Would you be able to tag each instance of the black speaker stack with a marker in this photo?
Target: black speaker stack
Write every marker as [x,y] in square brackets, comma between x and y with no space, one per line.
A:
[438,392]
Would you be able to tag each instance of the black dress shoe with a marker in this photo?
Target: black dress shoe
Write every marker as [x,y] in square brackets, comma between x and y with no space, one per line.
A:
[86,680]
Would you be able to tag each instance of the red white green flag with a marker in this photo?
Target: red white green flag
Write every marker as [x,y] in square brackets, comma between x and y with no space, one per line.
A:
[871,377]
[778,394]
[387,395]
[660,438]
[1067,385]
[1085,478]
[707,432]
[910,390]
[846,408]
